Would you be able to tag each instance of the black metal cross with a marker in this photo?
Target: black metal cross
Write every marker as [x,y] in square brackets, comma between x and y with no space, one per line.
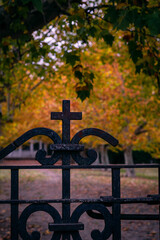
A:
[66,116]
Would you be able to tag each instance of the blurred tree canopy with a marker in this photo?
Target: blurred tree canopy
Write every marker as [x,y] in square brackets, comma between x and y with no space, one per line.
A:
[122,102]
[42,35]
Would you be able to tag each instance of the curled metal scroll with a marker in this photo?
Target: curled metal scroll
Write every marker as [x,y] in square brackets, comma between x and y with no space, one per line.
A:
[34,208]
[91,153]
[41,157]
[95,234]
[31,133]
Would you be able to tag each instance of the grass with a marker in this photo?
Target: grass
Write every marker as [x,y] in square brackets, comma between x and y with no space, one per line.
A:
[32,175]
[147,173]
[4,175]
[24,175]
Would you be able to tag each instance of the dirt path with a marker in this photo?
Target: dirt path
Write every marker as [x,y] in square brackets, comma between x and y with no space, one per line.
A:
[46,184]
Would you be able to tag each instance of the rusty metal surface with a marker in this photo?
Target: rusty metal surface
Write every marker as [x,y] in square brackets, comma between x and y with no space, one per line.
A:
[67,225]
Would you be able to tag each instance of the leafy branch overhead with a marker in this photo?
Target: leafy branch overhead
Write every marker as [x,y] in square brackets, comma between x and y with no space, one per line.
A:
[57,31]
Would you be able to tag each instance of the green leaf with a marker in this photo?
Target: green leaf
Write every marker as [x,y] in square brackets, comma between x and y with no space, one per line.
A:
[139,67]
[91,76]
[34,53]
[108,38]
[81,31]
[92,31]
[124,20]
[83,94]
[78,75]
[134,51]
[153,21]
[26,1]
[42,51]
[38,5]
[71,58]
[111,15]
[137,18]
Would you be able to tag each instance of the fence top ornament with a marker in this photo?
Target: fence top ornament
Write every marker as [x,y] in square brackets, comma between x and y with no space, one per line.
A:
[62,148]
[66,116]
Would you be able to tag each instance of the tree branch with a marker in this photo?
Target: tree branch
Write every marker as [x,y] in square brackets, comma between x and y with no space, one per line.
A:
[90,9]
[158,83]
[140,129]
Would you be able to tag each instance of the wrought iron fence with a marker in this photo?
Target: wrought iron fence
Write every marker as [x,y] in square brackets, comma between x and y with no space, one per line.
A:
[68,224]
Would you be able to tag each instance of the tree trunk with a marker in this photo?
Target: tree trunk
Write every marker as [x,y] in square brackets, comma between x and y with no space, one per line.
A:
[128,157]
[101,148]
[106,157]
[0,121]
[97,160]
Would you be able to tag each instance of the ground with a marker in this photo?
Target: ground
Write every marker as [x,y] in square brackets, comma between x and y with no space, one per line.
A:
[46,184]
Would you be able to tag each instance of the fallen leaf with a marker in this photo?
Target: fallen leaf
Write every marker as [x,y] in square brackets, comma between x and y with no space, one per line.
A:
[47,232]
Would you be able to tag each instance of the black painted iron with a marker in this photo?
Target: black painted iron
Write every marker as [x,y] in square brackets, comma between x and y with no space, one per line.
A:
[68,224]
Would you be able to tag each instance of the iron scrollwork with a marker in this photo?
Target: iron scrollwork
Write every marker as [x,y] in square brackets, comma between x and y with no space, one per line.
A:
[95,234]
[40,156]
[34,208]
[91,153]
[64,149]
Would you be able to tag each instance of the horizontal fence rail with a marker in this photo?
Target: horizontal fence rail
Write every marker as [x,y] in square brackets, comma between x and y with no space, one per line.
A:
[110,166]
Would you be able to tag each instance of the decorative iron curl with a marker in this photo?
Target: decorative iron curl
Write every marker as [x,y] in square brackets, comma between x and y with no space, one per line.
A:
[40,156]
[95,234]
[34,208]
[91,153]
